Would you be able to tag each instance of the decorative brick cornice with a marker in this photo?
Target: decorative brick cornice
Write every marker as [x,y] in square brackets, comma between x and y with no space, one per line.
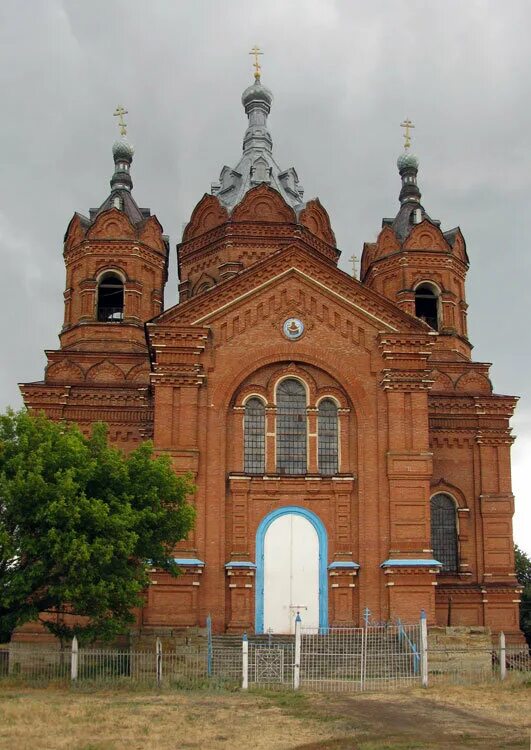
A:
[177,353]
[466,405]
[406,357]
[255,234]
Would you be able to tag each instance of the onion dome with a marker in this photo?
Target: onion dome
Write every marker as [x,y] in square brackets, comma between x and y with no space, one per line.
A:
[122,152]
[122,149]
[257,93]
[407,160]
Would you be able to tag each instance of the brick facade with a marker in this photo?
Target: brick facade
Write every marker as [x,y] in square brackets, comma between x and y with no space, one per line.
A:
[416,416]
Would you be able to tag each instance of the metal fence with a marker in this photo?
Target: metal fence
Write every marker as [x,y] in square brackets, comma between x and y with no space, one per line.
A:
[375,657]
[459,665]
[187,666]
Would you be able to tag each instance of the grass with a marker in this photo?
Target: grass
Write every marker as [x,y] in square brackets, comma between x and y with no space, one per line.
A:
[489,717]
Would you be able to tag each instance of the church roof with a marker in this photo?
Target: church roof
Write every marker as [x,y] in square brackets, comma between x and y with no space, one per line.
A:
[411,211]
[120,196]
[257,164]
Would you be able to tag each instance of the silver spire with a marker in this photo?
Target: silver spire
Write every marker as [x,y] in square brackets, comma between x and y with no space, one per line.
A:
[257,164]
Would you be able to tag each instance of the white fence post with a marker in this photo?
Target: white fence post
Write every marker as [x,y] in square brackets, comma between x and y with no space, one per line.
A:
[423,648]
[363,656]
[503,657]
[297,662]
[74,660]
[159,662]
[245,662]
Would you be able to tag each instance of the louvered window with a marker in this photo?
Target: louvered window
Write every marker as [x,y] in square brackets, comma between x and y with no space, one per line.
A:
[444,532]
[254,436]
[291,427]
[327,431]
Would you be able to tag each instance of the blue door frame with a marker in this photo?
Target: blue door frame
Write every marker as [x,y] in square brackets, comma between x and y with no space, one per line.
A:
[323,563]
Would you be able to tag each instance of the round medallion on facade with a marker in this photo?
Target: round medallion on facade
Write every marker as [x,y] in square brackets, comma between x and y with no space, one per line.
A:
[293,328]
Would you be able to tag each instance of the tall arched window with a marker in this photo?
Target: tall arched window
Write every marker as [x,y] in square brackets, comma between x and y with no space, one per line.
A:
[444,532]
[291,427]
[327,433]
[110,298]
[254,436]
[427,305]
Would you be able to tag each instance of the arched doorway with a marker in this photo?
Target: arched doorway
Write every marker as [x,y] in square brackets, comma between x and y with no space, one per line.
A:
[291,568]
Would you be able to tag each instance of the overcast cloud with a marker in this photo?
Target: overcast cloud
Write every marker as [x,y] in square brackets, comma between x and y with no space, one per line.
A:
[344,75]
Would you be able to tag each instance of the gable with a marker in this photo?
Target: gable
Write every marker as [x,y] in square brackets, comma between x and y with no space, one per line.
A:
[314,277]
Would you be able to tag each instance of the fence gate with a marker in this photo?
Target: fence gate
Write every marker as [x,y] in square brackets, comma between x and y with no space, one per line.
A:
[355,659]
[271,664]
[268,664]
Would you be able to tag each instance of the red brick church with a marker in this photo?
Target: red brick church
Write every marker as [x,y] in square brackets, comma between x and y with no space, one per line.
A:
[347,451]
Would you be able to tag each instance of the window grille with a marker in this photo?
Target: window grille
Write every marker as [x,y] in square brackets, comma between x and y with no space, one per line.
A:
[444,532]
[254,436]
[291,427]
[327,437]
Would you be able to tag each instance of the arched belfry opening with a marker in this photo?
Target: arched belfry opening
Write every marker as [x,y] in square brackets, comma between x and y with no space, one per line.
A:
[427,305]
[110,298]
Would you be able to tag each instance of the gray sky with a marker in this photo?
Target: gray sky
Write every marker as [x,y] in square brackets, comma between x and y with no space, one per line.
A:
[344,75]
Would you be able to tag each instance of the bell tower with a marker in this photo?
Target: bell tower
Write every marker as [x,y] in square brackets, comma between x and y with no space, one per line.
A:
[419,266]
[116,263]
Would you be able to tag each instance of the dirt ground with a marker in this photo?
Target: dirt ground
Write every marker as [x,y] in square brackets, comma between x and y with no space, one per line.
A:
[492,717]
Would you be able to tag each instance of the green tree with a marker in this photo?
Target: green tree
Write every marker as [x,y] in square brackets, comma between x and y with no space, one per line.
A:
[80,522]
[523,574]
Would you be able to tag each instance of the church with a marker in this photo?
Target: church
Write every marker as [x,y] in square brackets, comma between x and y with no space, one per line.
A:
[348,454]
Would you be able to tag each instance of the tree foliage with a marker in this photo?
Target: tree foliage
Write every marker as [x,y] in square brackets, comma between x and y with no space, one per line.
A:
[79,524]
[523,574]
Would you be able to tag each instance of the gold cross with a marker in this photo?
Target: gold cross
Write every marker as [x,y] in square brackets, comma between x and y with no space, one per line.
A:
[354,260]
[256,65]
[120,112]
[407,125]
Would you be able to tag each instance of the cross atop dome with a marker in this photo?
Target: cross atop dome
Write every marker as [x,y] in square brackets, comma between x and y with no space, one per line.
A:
[407,125]
[257,67]
[120,112]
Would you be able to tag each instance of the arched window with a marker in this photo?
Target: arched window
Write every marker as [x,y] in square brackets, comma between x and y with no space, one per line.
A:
[110,298]
[327,433]
[427,305]
[254,436]
[291,427]
[444,532]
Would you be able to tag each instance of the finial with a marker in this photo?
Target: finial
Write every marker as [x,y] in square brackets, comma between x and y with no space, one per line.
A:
[256,65]
[407,125]
[120,112]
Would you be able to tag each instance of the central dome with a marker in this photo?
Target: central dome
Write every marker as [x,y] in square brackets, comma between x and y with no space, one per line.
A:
[257,93]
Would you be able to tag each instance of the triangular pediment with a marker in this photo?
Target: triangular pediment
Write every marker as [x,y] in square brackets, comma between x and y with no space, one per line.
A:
[311,273]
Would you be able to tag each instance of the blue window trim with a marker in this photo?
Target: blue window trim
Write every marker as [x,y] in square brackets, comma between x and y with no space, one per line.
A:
[323,562]
[240,564]
[190,562]
[343,564]
[401,563]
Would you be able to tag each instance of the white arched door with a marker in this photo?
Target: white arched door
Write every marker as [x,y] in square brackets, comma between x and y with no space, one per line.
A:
[291,573]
